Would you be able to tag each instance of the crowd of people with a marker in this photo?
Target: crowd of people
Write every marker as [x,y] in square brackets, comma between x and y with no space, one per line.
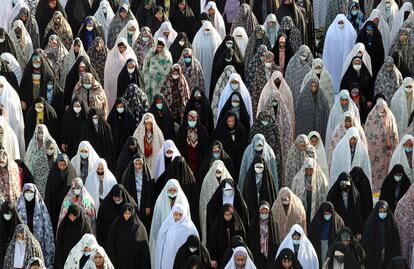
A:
[196,134]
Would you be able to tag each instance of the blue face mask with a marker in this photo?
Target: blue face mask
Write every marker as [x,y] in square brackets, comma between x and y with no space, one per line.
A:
[296,242]
[159,106]
[192,123]
[216,155]
[327,217]
[408,149]
[382,215]
[87,254]
[187,60]
[354,12]
[50,86]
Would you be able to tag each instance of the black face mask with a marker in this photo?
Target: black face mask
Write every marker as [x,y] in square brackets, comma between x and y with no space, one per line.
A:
[340,259]
[100,173]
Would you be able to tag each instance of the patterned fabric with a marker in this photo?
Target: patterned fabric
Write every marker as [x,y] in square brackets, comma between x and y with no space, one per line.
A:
[10,180]
[193,72]
[261,76]
[252,48]
[404,48]
[245,18]
[320,8]
[60,27]
[254,64]
[98,58]
[388,80]
[32,248]
[382,137]
[70,59]
[141,47]
[36,157]
[23,46]
[42,225]
[137,101]
[405,222]
[295,213]
[117,24]
[296,70]
[30,25]
[56,55]
[220,86]
[295,158]
[294,37]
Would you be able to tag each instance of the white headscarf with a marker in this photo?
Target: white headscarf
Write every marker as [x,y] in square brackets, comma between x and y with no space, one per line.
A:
[383,28]
[272,33]
[159,167]
[237,252]
[392,11]
[162,209]
[225,95]
[172,235]
[8,12]
[218,19]
[104,20]
[22,46]
[204,48]
[13,65]
[208,188]
[399,157]
[92,157]
[341,157]
[10,142]
[164,28]
[70,60]
[399,106]
[14,114]
[320,153]
[306,255]
[399,19]
[338,43]
[124,31]
[366,58]
[72,261]
[92,182]
[90,264]
[336,114]
[241,38]
[113,66]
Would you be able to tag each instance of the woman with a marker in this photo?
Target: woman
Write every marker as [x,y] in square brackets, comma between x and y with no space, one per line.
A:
[9,140]
[402,104]
[180,43]
[99,132]
[123,15]
[287,260]
[157,18]
[84,159]
[339,256]
[22,247]
[165,157]
[162,114]
[122,124]
[297,241]
[244,18]
[166,32]
[80,253]
[381,239]
[173,231]
[99,259]
[216,152]
[324,228]
[263,236]
[183,19]
[22,43]
[137,102]
[402,44]
[352,244]
[283,52]
[199,103]
[295,158]
[56,53]
[9,219]
[97,54]
[129,149]
[257,45]
[74,225]
[55,25]
[225,226]
[403,155]
[35,215]
[355,15]
[312,101]
[41,152]
[130,73]
[10,69]
[240,259]
[388,79]
[76,50]
[59,179]
[288,210]
[142,45]
[157,65]
[395,185]
[89,30]
[189,250]
[382,137]
[104,15]
[128,231]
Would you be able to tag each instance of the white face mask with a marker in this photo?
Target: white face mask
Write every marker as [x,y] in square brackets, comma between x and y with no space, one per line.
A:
[38,110]
[104,10]
[95,121]
[131,70]
[397,178]
[77,191]
[29,196]
[318,70]
[7,216]
[303,58]
[172,195]
[259,147]
[120,110]
[286,202]
[175,76]
[77,109]
[357,67]
[268,65]
[341,25]
[169,154]
[2,165]
[145,39]
[84,155]
[259,170]
[234,86]
[181,43]
[192,250]
[2,40]
[264,216]
[228,193]
[89,28]
[235,104]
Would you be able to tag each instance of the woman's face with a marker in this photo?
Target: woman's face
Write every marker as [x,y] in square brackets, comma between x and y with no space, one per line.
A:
[287,264]
[148,125]
[240,261]
[231,121]
[98,259]
[62,165]
[127,215]
[177,216]
[314,141]
[228,215]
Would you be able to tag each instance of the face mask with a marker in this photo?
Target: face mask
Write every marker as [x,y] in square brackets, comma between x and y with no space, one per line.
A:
[341,25]
[2,40]
[89,28]
[87,254]
[95,121]
[382,215]
[318,71]
[29,196]
[38,110]
[120,110]
[259,147]
[2,165]
[131,32]
[118,201]
[159,106]
[264,216]
[36,65]
[77,191]
[357,67]
[104,10]
[181,43]
[259,170]
[228,193]
[235,104]
[84,155]
[175,76]
[172,195]
[187,60]
[169,155]
[87,85]
[207,32]
[327,217]
[303,58]
[354,12]
[265,122]
[131,70]
[296,242]
[234,86]
[408,90]
[268,65]
[49,152]
[192,250]
[192,123]
[229,44]
[408,149]
[216,155]
[7,216]
[145,39]
[49,86]
[286,202]
[77,109]
[398,178]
